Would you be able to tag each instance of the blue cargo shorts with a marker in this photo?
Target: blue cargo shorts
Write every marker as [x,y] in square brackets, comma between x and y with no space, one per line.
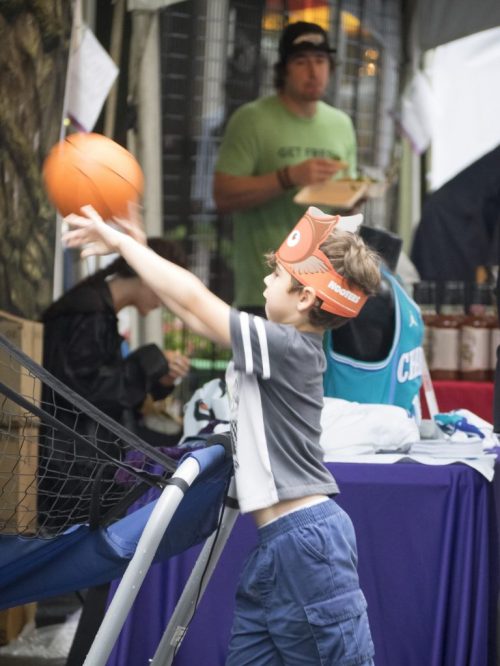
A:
[298,601]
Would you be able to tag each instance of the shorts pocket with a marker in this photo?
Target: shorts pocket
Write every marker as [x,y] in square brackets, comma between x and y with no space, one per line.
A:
[341,630]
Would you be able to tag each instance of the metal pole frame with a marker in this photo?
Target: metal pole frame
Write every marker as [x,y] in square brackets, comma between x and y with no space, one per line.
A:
[139,565]
[196,585]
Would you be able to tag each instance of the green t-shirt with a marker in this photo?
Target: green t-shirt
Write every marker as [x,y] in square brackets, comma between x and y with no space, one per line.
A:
[261,137]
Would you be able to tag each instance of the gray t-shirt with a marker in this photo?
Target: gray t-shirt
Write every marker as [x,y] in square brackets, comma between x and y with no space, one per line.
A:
[275,385]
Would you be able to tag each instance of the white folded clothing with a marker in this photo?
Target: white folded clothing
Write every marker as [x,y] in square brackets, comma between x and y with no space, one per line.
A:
[449,448]
[352,425]
[490,439]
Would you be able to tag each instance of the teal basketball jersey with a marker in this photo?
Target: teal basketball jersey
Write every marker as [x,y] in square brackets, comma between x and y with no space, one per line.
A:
[396,380]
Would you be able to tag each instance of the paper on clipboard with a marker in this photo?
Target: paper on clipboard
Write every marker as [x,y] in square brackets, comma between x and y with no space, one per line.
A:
[343,193]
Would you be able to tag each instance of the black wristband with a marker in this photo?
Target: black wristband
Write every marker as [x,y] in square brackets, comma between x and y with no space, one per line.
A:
[281,179]
[287,179]
[284,179]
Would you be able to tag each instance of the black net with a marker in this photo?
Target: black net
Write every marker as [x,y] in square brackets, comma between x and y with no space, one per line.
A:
[62,461]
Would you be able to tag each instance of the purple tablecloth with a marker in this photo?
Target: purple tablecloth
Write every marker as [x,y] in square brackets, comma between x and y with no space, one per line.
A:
[427,542]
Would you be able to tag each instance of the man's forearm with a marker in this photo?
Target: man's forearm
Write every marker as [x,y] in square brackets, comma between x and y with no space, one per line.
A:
[233,193]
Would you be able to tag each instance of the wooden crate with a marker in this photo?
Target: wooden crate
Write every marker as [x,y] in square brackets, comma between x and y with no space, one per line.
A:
[13,620]
[28,337]
[18,487]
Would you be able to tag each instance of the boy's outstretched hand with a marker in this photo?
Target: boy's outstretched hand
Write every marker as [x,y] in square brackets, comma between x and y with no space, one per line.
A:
[91,232]
[133,225]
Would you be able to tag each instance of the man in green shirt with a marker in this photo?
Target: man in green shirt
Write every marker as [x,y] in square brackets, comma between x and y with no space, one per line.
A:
[274,146]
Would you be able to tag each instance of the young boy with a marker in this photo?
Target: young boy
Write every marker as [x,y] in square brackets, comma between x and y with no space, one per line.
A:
[298,601]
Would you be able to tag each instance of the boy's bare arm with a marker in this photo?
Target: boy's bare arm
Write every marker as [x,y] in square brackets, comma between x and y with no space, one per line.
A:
[193,322]
[179,289]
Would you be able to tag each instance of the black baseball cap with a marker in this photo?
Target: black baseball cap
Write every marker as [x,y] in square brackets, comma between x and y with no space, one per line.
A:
[302,36]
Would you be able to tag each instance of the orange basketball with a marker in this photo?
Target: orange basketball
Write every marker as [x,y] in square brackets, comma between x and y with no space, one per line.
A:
[92,169]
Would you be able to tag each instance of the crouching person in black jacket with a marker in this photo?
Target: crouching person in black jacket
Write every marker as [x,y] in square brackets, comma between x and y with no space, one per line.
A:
[84,349]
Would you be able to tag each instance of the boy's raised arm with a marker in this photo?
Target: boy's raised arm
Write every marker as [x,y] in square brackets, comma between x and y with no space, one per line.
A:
[179,289]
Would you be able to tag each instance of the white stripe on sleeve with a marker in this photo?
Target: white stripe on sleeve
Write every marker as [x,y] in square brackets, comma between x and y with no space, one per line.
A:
[247,346]
[264,351]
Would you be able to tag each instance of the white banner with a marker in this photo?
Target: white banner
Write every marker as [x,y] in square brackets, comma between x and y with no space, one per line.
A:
[466,126]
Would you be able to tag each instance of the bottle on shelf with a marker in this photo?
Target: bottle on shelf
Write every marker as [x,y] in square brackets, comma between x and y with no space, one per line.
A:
[495,336]
[445,362]
[424,295]
[475,347]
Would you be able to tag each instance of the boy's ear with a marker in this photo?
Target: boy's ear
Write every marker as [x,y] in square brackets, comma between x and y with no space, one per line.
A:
[307,299]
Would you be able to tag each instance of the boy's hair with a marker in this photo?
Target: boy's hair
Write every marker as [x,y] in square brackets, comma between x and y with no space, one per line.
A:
[351,258]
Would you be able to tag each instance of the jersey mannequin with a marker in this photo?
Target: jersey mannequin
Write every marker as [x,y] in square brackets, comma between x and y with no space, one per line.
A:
[377,358]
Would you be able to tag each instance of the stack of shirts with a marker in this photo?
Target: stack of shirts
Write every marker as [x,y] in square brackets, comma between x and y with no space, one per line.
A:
[448,448]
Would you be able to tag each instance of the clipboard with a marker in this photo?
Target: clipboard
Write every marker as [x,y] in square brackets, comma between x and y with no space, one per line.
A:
[342,194]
